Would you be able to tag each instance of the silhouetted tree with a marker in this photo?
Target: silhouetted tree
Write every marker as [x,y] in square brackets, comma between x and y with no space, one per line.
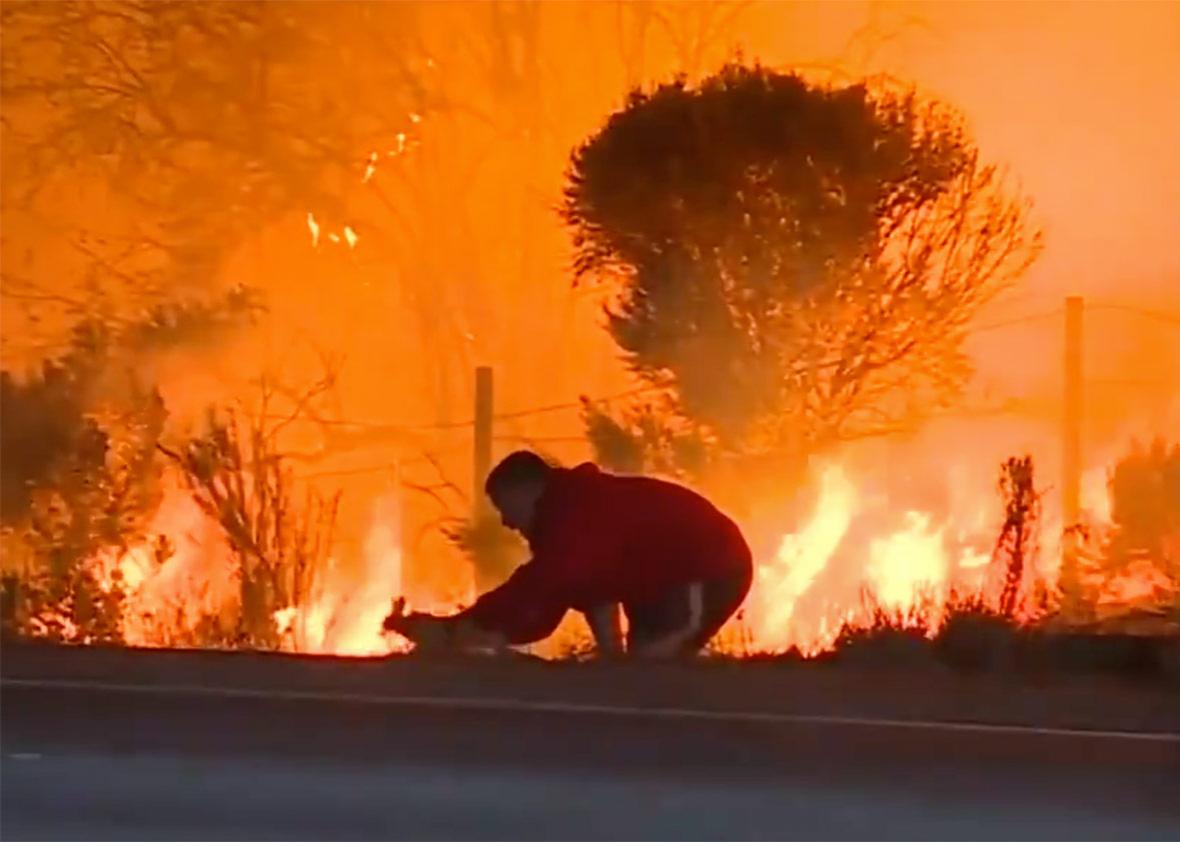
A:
[1016,547]
[795,264]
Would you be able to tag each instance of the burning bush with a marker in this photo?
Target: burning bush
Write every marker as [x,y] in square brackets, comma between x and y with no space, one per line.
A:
[81,476]
[239,479]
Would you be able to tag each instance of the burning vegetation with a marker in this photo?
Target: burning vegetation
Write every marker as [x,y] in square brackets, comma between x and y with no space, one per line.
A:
[792,265]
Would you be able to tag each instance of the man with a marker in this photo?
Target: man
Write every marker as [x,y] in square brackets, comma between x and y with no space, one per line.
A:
[677,566]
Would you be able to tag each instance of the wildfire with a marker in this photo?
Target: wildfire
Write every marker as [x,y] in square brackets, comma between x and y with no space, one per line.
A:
[182,574]
[855,553]
[856,550]
[826,573]
[343,616]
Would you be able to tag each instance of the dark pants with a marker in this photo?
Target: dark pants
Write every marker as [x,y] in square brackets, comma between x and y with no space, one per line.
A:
[720,600]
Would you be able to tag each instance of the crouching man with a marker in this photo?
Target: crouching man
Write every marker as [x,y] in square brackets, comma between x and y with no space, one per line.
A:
[676,566]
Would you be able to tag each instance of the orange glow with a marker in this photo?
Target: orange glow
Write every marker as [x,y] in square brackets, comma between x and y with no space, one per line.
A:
[440,251]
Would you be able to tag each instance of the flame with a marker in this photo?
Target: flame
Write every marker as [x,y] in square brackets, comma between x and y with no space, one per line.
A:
[182,573]
[343,617]
[347,234]
[904,564]
[175,577]
[856,550]
[314,228]
[1139,583]
[800,557]
[843,563]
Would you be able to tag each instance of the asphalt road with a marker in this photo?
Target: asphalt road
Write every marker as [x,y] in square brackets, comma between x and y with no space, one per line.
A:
[95,758]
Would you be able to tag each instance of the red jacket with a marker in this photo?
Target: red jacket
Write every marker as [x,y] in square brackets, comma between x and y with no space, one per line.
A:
[599,538]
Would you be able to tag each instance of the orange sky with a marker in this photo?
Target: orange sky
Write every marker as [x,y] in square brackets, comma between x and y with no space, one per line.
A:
[1077,97]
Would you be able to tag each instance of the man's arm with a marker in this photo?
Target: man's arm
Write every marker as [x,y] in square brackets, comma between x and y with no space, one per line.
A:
[604,622]
[431,633]
[525,608]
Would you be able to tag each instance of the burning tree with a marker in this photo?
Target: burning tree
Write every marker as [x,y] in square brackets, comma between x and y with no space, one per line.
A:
[795,264]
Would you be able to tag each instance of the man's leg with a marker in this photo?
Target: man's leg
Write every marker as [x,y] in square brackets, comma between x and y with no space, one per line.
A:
[666,627]
[687,617]
[722,599]
[604,625]
[651,621]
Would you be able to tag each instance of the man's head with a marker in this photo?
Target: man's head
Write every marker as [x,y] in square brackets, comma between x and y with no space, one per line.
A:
[515,485]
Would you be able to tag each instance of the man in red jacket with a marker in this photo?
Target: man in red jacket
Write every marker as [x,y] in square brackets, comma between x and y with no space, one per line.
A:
[677,566]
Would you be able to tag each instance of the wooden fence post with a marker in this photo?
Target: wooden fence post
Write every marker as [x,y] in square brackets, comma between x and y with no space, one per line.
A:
[488,551]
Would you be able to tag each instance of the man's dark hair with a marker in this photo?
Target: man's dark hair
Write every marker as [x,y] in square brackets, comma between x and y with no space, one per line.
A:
[521,466]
